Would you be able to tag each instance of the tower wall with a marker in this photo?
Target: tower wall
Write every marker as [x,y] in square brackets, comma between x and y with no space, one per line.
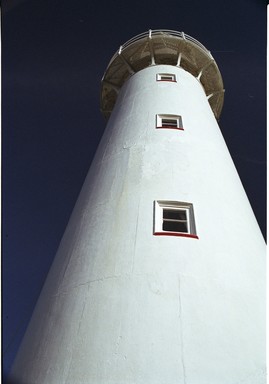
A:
[122,305]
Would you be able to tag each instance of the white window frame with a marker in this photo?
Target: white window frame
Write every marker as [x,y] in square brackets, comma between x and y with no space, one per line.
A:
[161,205]
[166,77]
[178,124]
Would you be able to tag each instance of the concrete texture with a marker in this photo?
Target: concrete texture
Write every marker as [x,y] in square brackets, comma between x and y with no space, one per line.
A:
[121,306]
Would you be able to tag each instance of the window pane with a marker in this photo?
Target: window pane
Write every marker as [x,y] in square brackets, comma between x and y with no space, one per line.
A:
[169,122]
[175,226]
[175,214]
[166,77]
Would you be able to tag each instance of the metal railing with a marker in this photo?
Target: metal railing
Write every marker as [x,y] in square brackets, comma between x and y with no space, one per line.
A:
[211,81]
[161,32]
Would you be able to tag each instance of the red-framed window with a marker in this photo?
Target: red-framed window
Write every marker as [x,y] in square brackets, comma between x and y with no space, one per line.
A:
[174,218]
[169,122]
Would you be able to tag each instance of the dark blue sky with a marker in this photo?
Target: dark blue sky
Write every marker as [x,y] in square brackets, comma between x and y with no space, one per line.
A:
[54,55]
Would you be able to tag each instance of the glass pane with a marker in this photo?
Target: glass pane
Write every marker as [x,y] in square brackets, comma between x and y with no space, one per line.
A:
[175,214]
[169,122]
[175,226]
[166,77]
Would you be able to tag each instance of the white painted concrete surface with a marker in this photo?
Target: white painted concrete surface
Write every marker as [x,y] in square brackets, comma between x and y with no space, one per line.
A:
[121,306]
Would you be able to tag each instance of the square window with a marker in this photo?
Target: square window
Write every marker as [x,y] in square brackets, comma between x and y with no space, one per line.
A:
[166,77]
[169,122]
[174,218]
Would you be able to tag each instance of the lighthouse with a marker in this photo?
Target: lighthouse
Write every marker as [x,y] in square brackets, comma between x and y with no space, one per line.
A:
[160,275]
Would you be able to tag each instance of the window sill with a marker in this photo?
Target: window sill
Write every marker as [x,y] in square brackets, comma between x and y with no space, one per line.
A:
[175,234]
[178,129]
[169,81]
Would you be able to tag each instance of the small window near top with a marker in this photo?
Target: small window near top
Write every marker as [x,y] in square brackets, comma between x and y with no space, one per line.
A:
[169,121]
[166,77]
[174,218]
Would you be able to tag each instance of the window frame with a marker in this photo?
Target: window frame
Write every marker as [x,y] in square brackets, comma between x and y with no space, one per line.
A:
[160,77]
[161,205]
[177,119]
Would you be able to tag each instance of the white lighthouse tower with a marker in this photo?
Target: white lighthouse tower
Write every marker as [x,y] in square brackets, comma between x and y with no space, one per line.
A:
[160,275]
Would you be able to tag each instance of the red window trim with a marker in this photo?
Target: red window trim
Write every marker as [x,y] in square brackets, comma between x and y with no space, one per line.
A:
[171,81]
[175,234]
[172,127]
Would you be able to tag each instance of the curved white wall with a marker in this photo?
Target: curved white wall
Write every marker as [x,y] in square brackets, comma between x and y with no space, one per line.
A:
[123,306]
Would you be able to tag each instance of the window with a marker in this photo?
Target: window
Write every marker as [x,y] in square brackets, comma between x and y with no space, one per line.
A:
[169,121]
[174,218]
[166,77]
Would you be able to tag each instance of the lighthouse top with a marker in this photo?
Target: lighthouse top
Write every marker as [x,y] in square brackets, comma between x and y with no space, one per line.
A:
[157,47]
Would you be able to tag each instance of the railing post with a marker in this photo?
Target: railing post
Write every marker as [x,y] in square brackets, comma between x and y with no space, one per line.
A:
[151,48]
